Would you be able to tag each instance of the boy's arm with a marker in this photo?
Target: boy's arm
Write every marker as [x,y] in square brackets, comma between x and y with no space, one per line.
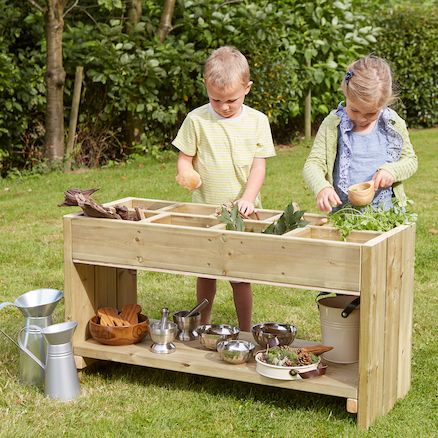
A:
[186,175]
[253,186]
[184,163]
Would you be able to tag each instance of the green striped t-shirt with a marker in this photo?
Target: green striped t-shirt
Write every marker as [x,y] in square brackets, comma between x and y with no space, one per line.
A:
[223,150]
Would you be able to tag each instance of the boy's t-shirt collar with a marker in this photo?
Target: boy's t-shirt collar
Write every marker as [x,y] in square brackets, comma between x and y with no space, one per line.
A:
[219,117]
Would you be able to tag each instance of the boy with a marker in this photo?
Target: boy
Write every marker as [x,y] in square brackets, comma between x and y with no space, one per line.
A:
[226,142]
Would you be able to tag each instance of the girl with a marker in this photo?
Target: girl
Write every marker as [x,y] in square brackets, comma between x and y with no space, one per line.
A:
[361,140]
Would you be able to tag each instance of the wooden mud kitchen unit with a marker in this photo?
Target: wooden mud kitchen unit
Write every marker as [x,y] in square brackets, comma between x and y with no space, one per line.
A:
[102,257]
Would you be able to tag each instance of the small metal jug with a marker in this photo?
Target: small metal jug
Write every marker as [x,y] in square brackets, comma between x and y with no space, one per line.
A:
[61,380]
[37,307]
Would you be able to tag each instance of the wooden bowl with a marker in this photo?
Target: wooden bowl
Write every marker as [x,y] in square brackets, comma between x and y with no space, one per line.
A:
[124,335]
[361,194]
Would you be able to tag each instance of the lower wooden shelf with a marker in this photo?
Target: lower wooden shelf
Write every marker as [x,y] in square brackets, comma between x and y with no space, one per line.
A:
[190,357]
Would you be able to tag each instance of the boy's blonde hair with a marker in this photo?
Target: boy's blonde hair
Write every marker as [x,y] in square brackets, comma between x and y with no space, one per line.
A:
[226,67]
[369,80]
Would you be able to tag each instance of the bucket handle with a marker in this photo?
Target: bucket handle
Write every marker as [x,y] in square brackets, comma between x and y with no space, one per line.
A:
[6,303]
[348,309]
[352,306]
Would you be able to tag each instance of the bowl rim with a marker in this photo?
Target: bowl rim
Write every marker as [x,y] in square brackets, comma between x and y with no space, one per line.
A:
[222,344]
[310,367]
[258,328]
[205,329]
[93,322]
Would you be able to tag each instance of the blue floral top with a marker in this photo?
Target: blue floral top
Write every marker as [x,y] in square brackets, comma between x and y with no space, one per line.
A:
[360,155]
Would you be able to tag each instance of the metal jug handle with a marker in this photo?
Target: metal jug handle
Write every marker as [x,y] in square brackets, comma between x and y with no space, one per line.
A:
[6,303]
[25,349]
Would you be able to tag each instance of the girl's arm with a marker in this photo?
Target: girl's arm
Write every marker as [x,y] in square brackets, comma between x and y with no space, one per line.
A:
[407,165]
[253,186]
[315,168]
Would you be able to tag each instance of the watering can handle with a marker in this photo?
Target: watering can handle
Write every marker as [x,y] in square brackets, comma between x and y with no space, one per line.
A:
[26,350]
[6,303]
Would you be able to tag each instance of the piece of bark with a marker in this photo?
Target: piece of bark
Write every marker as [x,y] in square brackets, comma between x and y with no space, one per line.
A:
[70,196]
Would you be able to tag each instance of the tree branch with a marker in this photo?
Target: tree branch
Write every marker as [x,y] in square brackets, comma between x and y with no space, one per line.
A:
[34,3]
[70,8]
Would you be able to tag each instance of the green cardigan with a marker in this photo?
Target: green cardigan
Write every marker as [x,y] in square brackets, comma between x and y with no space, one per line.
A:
[318,168]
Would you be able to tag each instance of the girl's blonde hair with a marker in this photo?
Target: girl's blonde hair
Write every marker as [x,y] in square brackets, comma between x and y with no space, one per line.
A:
[226,67]
[369,80]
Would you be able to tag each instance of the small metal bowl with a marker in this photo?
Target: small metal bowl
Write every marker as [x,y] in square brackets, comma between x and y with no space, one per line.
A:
[211,334]
[271,334]
[235,351]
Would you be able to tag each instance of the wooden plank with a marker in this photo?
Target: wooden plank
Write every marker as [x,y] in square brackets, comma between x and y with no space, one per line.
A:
[372,326]
[245,256]
[81,290]
[190,357]
[105,287]
[406,312]
[392,319]
[126,287]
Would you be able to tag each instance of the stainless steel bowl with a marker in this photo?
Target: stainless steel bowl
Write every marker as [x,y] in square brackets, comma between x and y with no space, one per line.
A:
[235,351]
[271,334]
[211,334]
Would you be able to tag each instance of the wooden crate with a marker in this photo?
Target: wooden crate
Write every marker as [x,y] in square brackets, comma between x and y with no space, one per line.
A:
[102,257]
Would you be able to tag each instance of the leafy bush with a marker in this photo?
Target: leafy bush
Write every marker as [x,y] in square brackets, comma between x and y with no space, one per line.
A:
[409,41]
[137,88]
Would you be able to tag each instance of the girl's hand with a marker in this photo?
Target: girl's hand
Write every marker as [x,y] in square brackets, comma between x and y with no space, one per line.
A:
[245,207]
[327,198]
[382,179]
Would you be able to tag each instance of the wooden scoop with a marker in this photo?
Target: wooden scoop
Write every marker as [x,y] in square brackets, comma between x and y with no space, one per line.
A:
[129,313]
[110,317]
[316,349]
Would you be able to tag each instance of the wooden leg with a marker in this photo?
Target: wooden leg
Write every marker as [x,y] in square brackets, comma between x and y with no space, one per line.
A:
[352,405]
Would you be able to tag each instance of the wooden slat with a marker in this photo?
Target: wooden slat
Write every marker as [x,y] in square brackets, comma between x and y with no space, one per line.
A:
[372,326]
[392,319]
[126,287]
[105,287]
[406,312]
[245,256]
[190,357]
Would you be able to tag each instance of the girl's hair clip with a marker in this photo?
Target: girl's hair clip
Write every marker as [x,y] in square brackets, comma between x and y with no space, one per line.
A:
[348,76]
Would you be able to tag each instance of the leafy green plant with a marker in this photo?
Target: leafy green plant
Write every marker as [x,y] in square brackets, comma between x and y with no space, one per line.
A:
[288,221]
[231,216]
[348,219]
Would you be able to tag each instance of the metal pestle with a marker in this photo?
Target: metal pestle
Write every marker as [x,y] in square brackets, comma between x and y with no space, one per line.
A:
[164,315]
[197,308]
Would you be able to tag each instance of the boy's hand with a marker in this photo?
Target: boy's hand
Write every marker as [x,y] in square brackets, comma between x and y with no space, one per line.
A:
[327,198]
[382,179]
[245,207]
[189,179]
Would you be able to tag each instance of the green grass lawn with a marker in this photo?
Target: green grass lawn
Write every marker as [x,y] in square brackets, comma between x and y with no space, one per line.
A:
[122,400]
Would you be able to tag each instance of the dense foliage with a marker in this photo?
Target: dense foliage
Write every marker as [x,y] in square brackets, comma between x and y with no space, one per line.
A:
[137,88]
[409,40]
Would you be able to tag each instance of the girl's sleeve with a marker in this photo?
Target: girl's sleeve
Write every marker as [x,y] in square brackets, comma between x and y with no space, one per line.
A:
[186,139]
[315,168]
[407,165]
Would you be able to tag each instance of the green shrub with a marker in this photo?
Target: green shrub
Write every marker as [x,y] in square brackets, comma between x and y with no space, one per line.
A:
[409,41]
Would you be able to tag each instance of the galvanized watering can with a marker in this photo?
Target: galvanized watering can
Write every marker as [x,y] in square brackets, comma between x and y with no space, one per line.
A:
[61,380]
[37,307]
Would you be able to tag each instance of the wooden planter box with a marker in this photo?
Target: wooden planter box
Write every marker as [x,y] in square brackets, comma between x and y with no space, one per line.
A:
[102,257]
